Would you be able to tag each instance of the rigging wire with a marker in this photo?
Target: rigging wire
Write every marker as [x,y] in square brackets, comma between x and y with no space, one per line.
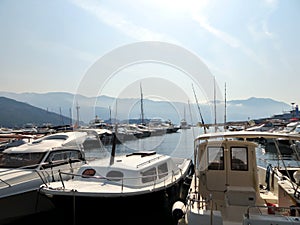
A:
[202,121]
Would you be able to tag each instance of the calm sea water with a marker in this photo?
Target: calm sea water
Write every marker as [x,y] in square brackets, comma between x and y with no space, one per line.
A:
[179,144]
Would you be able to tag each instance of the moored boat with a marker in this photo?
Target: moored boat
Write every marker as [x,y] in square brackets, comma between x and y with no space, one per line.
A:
[229,188]
[136,188]
[24,168]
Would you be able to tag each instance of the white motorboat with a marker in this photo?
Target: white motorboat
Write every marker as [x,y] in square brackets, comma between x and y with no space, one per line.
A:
[24,168]
[136,188]
[229,188]
[184,124]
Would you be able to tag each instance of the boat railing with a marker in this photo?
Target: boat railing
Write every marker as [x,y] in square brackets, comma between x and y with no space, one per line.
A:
[194,197]
[3,181]
[12,171]
[122,181]
[44,171]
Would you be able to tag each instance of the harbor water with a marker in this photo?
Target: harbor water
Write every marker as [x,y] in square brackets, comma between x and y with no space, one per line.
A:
[179,144]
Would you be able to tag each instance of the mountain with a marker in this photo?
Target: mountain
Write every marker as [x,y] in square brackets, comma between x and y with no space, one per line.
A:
[16,114]
[105,107]
[255,108]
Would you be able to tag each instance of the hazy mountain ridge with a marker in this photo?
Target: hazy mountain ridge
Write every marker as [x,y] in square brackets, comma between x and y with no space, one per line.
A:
[255,108]
[17,114]
[62,103]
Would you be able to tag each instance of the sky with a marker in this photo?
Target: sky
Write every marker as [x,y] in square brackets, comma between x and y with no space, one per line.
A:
[248,48]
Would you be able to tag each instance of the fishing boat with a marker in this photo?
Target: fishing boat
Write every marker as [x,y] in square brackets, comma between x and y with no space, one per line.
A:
[135,188]
[24,168]
[230,188]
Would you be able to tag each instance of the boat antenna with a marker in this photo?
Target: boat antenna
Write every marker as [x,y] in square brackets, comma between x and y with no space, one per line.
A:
[202,121]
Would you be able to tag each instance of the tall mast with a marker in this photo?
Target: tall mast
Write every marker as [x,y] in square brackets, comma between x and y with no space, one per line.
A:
[225,109]
[215,108]
[142,107]
[70,111]
[109,115]
[77,110]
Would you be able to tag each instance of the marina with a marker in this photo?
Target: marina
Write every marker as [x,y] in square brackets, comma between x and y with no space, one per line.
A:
[149,112]
[178,144]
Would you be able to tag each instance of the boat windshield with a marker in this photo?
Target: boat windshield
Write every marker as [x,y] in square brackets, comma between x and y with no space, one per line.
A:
[17,160]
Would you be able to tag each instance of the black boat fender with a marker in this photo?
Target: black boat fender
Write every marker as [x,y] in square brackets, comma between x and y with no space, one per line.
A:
[178,210]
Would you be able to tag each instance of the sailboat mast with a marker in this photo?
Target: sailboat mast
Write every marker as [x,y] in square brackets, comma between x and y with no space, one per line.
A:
[225,109]
[142,105]
[77,110]
[215,108]
[109,114]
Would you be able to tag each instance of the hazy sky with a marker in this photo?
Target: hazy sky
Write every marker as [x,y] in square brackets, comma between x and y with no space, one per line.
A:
[252,46]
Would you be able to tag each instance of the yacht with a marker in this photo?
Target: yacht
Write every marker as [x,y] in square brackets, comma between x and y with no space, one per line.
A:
[24,168]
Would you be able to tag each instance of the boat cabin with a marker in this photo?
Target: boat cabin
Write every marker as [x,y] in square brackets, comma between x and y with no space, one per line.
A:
[228,174]
[133,170]
[229,188]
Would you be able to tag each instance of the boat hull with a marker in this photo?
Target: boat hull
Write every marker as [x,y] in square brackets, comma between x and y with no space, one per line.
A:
[15,207]
[132,209]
